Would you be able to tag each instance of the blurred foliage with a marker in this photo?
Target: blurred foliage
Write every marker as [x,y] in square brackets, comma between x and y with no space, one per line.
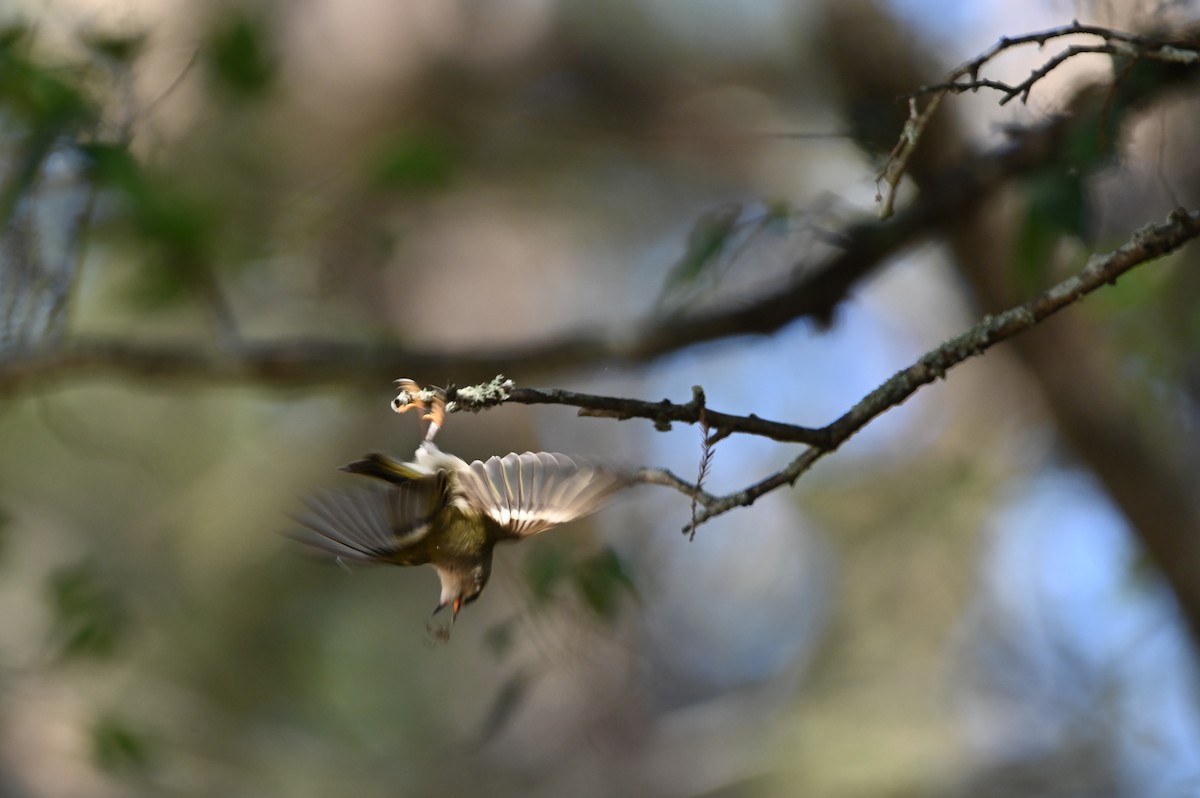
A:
[48,101]
[1056,198]
[414,160]
[38,105]
[513,692]
[118,747]
[545,568]
[121,48]
[90,615]
[240,55]
[717,239]
[599,580]
[706,243]
[1057,206]
[1056,209]
[174,226]
[45,104]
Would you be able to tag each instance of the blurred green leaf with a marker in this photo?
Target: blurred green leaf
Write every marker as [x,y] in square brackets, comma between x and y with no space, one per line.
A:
[505,705]
[601,580]
[544,569]
[175,225]
[1139,78]
[117,747]
[1056,208]
[707,242]
[174,220]
[89,615]
[113,166]
[412,161]
[1091,141]
[240,56]
[122,49]
[39,107]
[499,638]
[11,36]
[39,95]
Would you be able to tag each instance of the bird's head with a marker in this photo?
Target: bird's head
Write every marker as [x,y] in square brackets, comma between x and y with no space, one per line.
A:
[462,584]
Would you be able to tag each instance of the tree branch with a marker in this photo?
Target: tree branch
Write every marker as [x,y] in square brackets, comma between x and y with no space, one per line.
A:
[663,414]
[1147,244]
[965,78]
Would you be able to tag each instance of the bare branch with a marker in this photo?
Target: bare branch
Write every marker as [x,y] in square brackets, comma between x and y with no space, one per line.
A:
[1147,244]
[1151,242]
[661,476]
[1115,43]
[965,78]
[663,413]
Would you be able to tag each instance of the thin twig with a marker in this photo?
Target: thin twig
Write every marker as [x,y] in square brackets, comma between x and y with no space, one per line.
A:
[706,456]
[965,78]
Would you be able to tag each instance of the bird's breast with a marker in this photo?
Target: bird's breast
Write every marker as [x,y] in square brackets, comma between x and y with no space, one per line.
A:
[459,534]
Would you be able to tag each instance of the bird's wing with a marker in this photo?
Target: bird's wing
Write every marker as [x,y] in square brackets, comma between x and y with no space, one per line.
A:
[380,466]
[371,523]
[531,492]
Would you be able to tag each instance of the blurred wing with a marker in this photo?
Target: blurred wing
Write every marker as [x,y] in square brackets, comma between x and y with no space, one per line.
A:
[370,523]
[380,466]
[531,492]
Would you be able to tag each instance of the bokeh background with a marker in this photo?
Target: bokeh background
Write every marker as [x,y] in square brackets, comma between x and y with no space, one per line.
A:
[952,604]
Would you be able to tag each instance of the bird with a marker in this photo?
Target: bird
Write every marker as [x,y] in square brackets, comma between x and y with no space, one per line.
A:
[439,510]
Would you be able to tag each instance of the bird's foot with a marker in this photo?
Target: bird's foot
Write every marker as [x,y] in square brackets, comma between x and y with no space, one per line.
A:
[432,402]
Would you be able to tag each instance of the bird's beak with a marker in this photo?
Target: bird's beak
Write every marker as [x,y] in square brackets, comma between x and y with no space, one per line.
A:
[454,606]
